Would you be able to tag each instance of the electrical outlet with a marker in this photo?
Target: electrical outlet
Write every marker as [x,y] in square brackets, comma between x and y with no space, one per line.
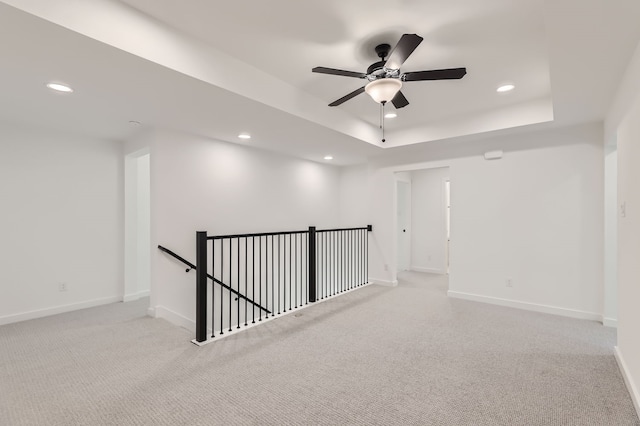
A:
[429,258]
[386,267]
[62,286]
[509,282]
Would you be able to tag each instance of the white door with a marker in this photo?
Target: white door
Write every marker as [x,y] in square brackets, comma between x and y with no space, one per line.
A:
[404,225]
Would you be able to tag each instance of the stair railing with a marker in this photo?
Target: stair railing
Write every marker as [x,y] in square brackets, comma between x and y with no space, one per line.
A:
[273,273]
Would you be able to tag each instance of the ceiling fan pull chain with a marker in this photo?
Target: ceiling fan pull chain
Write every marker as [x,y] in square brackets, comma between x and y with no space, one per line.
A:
[382,119]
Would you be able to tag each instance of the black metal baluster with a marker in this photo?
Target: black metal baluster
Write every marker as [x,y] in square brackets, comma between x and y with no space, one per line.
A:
[284,272]
[332,267]
[351,260]
[327,262]
[306,267]
[260,275]
[295,269]
[246,265]
[319,292]
[273,305]
[323,277]
[360,260]
[253,279]
[230,277]
[339,259]
[361,257]
[346,260]
[290,271]
[279,270]
[302,248]
[332,262]
[213,288]
[221,288]
[238,281]
[339,235]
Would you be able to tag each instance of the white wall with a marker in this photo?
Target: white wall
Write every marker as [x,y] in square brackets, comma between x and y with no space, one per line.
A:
[60,222]
[354,196]
[535,216]
[623,125]
[205,185]
[428,221]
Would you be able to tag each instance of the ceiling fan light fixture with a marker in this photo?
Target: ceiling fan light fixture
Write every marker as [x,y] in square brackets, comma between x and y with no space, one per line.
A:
[383,89]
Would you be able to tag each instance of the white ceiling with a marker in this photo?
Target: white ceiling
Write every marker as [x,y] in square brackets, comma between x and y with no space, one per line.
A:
[219,68]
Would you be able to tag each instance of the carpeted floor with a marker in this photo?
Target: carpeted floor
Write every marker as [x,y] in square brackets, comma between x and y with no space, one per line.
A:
[377,356]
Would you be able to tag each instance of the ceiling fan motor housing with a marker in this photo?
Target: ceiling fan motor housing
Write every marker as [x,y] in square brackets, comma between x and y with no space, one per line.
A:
[377,69]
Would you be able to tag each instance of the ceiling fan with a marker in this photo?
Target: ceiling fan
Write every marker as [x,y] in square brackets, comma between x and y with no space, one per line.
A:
[385,78]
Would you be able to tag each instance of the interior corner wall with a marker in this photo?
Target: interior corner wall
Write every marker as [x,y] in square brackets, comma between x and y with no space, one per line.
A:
[61,222]
[199,184]
[535,216]
[428,221]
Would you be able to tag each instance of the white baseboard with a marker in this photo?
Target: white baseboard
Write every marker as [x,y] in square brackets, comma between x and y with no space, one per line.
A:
[554,310]
[23,316]
[428,270]
[385,283]
[610,322]
[174,318]
[628,380]
[135,296]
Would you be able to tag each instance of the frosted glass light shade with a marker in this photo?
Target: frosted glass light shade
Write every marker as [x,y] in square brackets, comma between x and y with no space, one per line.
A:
[384,89]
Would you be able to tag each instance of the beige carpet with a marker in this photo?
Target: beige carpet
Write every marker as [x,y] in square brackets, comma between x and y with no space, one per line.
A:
[376,356]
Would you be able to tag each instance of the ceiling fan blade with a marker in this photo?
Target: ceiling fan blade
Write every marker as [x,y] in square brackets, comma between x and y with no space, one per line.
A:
[347,97]
[399,101]
[404,48]
[333,71]
[446,74]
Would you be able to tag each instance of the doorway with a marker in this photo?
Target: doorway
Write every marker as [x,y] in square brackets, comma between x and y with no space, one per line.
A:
[403,225]
[137,262]
[423,220]
[447,215]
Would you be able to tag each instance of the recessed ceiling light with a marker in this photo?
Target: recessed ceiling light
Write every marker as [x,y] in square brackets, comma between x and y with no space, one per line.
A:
[390,115]
[244,136]
[328,157]
[505,88]
[59,87]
